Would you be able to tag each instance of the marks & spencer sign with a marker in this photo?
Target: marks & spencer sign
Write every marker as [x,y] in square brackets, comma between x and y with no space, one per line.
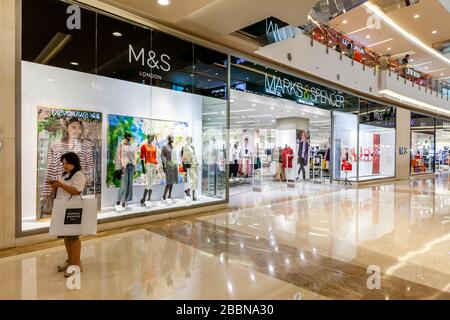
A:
[303,92]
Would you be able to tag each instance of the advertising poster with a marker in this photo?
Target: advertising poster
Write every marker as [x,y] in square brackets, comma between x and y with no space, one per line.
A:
[139,129]
[67,130]
[376,154]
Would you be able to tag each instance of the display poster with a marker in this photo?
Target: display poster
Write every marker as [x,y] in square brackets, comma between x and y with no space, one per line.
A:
[303,137]
[376,154]
[139,129]
[67,130]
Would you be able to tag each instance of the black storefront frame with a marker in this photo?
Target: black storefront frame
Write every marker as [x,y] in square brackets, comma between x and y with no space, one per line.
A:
[418,174]
[332,110]
[19,232]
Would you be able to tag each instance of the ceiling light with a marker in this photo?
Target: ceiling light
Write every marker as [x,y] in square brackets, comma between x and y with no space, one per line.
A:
[368,37]
[254,105]
[380,42]
[261,116]
[164,2]
[402,54]
[232,100]
[209,113]
[389,49]
[421,64]
[442,74]
[117,34]
[243,110]
[75,63]
[434,31]
[345,22]
[416,16]
[358,30]
[272,108]
[378,12]
[426,68]
[437,70]
[412,101]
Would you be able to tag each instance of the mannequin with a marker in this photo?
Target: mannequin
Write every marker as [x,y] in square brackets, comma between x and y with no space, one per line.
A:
[246,158]
[125,161]
[234,160]
[149,166]
[170,169]
[190,164]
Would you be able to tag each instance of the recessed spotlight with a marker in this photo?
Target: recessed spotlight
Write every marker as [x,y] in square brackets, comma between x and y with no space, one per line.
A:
[442,74]
[416,16]
[209,80]
[368,37]
[411,60]
[272,108]
[303,113]
[315,117]
[51,80]
[231,100]
[389,49]
[164,2]
[434,31]
[75,63]
[345,22]
[253,104]
[117,34]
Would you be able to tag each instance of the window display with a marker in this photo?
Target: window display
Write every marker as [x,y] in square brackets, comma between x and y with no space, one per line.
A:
[422,143]
[442,145]
[138,129]
[376,141]
[345,140]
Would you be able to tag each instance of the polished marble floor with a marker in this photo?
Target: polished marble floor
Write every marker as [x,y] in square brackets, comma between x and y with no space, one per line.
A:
[314,241]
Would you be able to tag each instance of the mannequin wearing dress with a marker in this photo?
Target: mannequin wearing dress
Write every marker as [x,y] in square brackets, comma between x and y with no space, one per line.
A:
[190,164]
[149,166]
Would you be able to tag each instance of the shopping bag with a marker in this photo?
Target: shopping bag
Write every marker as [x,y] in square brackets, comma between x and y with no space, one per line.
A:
[47,204]
[74,216]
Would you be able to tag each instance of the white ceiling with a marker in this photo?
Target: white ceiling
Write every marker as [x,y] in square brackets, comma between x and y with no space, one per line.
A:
[261,111]
[215,20]
[431,16]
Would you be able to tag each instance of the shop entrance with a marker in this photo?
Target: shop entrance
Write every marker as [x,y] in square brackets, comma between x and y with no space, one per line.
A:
[276,142]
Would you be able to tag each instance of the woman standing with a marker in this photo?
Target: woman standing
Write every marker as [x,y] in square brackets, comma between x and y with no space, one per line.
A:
[71,183]
[74,141]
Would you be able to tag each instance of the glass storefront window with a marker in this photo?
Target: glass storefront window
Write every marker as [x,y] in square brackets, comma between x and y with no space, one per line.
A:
[442,145]
[376,141]
[345,145]
[86,88]
[422,143]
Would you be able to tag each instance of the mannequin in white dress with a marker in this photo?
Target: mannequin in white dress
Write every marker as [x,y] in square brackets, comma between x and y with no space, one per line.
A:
[190,164]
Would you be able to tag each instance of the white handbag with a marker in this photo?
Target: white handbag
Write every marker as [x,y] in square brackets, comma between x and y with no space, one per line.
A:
[74,216]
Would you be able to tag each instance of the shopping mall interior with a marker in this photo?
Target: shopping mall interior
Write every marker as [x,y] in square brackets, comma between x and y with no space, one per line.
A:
[225,150]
